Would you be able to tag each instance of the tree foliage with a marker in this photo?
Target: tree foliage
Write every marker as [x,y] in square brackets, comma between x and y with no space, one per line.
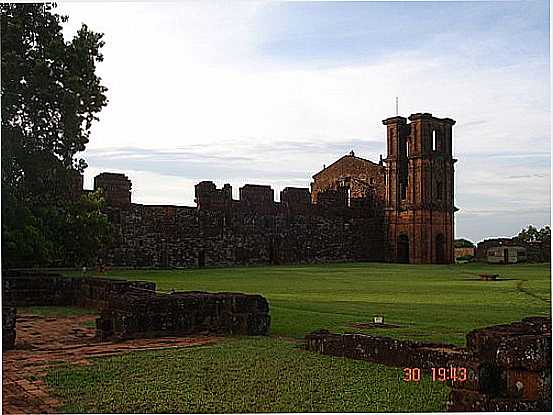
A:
[50,97]
[463,243]
[532,234]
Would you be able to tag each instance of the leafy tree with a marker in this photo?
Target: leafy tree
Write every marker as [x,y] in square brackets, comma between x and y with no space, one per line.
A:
[532,234]
[50,97]
[83,229]
[545,234]
[463,243]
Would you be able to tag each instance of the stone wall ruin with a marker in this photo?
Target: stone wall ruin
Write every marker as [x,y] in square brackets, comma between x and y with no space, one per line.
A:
[184,313]
[253,230]
[133,309]
[508,366]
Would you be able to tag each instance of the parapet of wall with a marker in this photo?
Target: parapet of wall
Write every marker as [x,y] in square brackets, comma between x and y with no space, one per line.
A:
[508,366]
[296,199]
[184,313]
[208,197]
[116,187]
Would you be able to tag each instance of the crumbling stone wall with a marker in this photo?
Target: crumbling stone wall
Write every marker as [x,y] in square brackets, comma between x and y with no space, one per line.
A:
[508,366]
[131,309]
[383,350]
[37,289]
[255,229]
[184,313]
[117,188]
[239,233]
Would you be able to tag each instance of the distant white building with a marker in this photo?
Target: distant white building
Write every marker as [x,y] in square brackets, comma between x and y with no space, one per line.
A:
[506,254]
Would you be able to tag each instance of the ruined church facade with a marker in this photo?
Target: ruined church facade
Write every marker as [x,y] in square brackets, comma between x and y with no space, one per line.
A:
[397,210]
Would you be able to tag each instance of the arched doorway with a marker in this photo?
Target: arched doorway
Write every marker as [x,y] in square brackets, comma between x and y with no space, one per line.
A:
[440,249]
[403,249]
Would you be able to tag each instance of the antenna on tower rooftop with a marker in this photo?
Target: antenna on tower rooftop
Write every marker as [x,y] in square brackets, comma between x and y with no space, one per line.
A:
[397,106]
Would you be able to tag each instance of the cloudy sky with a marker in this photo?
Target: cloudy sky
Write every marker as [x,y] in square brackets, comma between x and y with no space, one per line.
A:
[268,92]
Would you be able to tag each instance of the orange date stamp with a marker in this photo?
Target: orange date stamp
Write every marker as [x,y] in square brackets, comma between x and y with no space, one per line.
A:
[439,374]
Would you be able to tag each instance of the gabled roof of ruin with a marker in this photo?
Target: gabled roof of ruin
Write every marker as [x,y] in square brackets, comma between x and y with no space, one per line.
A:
[344,157]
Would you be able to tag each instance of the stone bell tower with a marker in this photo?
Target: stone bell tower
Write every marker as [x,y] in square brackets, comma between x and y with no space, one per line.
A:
[419,190]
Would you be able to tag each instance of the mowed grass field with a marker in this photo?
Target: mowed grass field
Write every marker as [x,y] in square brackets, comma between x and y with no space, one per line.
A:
[429,302]
[240,375]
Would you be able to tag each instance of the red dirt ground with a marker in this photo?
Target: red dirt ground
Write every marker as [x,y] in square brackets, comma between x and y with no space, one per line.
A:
[43,342]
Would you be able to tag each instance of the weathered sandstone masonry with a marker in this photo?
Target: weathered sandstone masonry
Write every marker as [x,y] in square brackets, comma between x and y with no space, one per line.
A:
[384,350]
[253,230]
[508,366]
[509,369]
[133,309]
[420,189]
[145,315]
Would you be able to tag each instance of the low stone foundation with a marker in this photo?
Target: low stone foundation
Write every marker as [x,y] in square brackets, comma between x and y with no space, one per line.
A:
[383,350]
[508,366]
[8,327]
[184,313]
[132,309]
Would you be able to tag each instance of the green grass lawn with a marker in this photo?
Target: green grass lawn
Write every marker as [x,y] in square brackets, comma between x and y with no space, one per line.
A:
[430,302]
[440,303]
[50,311]
[240,375]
